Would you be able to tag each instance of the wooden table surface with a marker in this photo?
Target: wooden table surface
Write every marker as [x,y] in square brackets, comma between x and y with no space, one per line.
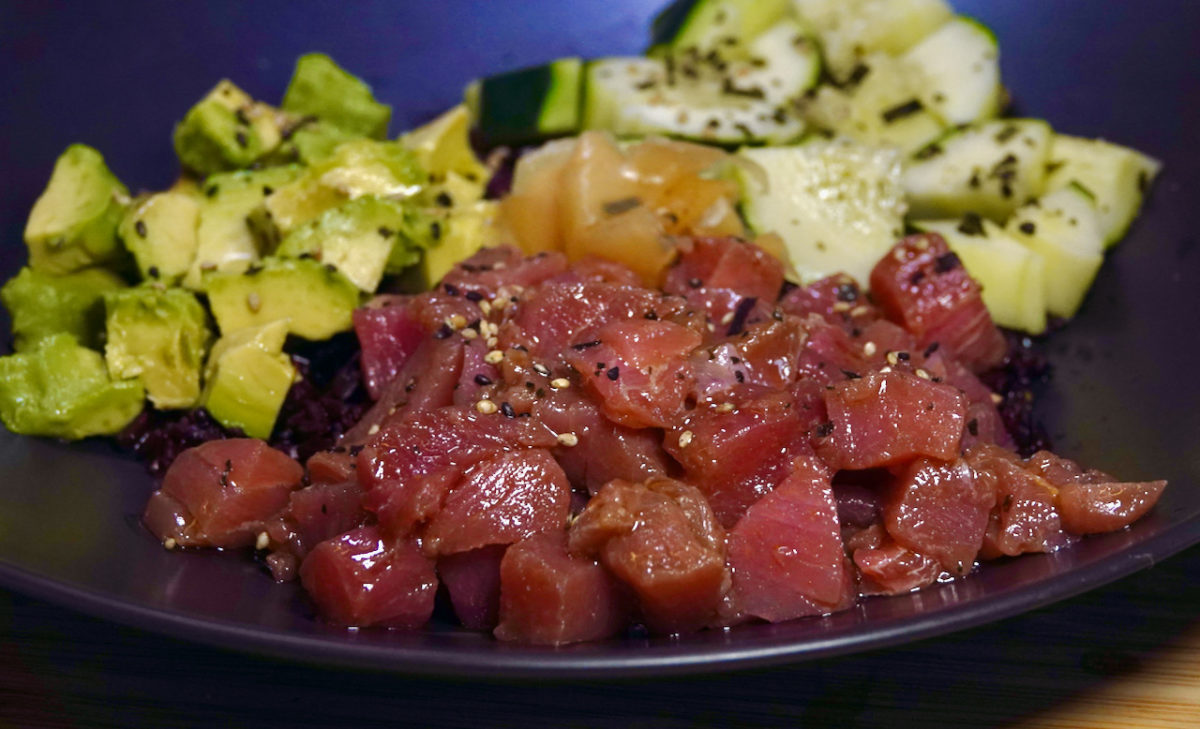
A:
[1126,655]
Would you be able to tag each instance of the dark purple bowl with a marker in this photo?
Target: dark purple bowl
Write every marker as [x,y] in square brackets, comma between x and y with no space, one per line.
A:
[117,76]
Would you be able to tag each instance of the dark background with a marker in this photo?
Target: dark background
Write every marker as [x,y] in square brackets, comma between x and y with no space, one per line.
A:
[118,75]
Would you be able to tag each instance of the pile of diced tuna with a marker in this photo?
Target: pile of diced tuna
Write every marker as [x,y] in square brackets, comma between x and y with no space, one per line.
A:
[568,453]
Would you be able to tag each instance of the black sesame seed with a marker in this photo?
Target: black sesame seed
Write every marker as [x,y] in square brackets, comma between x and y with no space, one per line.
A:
[613,373]
[507,409]
[483,380]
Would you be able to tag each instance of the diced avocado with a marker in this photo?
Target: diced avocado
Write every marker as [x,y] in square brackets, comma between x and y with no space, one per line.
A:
[356,237]
[708,24]
[1116,176]
[356,168]
[227,237]
[529,104]
[838,205]
[1012,276]
[315,299]
[466,230]
[443,145]
[248,377]
[160,231]
[62,389]
[422,229]
[42,305]
[226,130]
[158,335]
[74,223]
[990,169]
[321,88]
[1064,227]
[315,141]
[884,107]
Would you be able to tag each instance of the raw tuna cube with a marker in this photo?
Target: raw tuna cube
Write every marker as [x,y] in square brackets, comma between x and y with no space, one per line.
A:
[360,579]
[939,510]
[388,332]
[501,500]
[837,299]
[1025,518]
[220,493]
[1092,501]
[887,418]
[425,382]
[490,268]
[313,514]
[891,569]
[638,371]
[661,539]
[473,581]
[786,552]
[734,283]
[921,285]
[550,597]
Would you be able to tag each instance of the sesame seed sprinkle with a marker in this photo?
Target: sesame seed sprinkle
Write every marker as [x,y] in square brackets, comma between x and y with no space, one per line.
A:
[570,440]
[559,383]
[262,541]
[485,406]
[869,349]
[494,357]
[685,438]
[169,543]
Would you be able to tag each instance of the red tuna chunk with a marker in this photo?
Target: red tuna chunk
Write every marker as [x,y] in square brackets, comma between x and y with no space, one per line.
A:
[1092,501]
[550,597]
[473,580]
[891,569]
[360,579]
[921,285]
[220,493]
[388,332]
[734,283]
[662,540]
[939,510]
[638,371]
[786,552]
[313,514]
[501,500]
[491,268]
[886,418]
[735,457]
[1025,518]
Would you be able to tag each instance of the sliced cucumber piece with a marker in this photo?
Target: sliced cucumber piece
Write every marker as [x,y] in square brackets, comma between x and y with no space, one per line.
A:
[1117,177]
[1064,228]
[960,63]
[837,205]
[883,108]
[849,30]
[707,97]
[527,105]
[708,24]
[989,169]
[1013,277]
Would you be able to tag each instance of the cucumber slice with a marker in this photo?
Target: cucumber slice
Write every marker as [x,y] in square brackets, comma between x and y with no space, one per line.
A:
[837,205]
[1013,276]
[1064,228]
[1117,177]
[884,108]
[708,24]
[527,105]
[989,169]
[961,65]
[707,97]
[849,30]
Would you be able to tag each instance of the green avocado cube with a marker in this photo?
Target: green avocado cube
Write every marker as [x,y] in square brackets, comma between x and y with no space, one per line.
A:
[356,168]
[160,231]
[356,237]
[60,388]
[315,141]
[462,232]
[248,377]
[314,298]
[232,231]
[73,224]
[321,88]
[159,336]
[226,130]
[42,305]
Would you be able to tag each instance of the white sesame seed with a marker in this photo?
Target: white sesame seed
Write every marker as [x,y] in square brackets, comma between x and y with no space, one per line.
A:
[884,370]
[922,374]
[861,310]
[485,406]
[492,341]
[541,369]
[727,318]
[559,383]
[685,438]
[570,440]
[469,333]
[494,357]
[842,306]
[485,306]
[892,359]
[262,541]
[373,429]
[997,398]
[169,543]
[458,321]
[253,302]
[869,349]
[725,407]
